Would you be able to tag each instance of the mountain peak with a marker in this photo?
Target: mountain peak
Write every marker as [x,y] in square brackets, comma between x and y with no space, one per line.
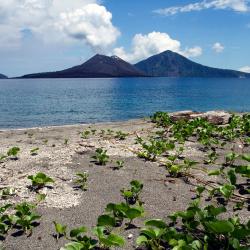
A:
[172,64]
[97,66]
[116,57]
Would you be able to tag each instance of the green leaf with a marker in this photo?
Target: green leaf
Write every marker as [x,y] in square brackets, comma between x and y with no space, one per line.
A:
[106,220]
[141,239]
[196,245]
[246,157]
[173,242]
[231,157]
[232,176]
[72,246]
[241,233]
[34,150]
[40,179]
[214,172]
[116,240]
[13,151]
[2,157]
[156,223]
[3,228]
[149,232]
[227,190]
[243,170]
[77,231]
[40,197]
[60,229]
[235,243]
[200,189]
[215,211]
[133,213]
[220,227]
[4,208]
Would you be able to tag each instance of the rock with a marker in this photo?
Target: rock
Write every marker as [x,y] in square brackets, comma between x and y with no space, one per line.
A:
[183,115]
[217,117]
[130,236]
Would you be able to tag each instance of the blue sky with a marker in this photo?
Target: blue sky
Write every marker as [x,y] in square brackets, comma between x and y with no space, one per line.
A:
[47,35]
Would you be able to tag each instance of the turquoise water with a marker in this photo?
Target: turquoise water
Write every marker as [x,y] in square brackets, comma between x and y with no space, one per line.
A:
[41,102]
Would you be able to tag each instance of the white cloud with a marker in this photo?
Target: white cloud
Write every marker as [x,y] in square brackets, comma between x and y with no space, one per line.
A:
[91,24]
[218,47]
[245,69]
[192,52]
[64,21]
[235,5]
[144,46]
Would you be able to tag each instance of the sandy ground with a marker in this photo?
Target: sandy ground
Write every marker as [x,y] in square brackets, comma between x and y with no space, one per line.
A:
[74,207]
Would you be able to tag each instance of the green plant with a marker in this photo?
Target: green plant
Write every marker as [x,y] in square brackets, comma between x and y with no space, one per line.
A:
[79,240]
[93,131]
[82,180]
[107,241]
[153,234]
[2,157]
[179,169]
[85,134]
[4,220]
[106,221]
[119,164]
[174,170]
[101,156]
[13,152]
[121,135]
[200,229]
[131,195]
[212,157]
[138,140]
[110,132]
[61,230]
[102,132]
[25,216]
[5,193]
[34,151]
[161,119]
[123,211]
[154,148]
[45,141]
[246,157]
[66,141]
[40,197]
[117,211]
[40,180]
[230,158]
[188,164]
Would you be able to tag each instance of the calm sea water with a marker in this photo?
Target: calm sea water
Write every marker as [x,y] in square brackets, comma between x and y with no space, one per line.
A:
[29,103]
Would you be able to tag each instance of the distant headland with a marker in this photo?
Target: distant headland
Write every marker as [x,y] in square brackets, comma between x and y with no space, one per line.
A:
[3,76]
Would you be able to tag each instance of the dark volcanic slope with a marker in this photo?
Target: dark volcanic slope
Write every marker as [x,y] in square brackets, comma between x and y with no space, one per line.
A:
[97,66]
[169,63]
[3,76]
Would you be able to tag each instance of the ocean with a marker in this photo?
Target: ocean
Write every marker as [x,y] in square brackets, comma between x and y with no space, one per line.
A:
[45,102]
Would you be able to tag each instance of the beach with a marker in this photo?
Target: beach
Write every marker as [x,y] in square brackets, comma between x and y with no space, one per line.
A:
[63,151]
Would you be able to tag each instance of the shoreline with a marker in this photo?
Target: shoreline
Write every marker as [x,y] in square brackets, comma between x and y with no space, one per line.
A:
[115,122]
[76,125]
